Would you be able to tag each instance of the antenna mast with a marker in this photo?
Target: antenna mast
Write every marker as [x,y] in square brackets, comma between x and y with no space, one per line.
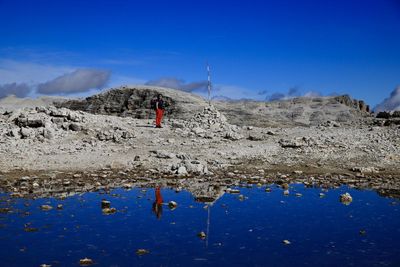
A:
[209,83]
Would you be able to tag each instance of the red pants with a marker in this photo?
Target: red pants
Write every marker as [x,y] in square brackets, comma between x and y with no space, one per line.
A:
[159,116]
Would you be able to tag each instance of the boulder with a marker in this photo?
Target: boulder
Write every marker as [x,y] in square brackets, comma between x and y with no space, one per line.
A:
[75,127]
[26,133]
[294,143]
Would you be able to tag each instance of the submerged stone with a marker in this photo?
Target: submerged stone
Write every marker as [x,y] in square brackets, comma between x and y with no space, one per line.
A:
[346,198]
[105,204]
[172,205]
[233,191]
[202,235]
[31,229]
[85,262]
[108,211]
[46,207]
[142,251]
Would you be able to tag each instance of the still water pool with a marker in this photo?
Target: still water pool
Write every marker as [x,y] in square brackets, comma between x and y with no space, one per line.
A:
[241,230]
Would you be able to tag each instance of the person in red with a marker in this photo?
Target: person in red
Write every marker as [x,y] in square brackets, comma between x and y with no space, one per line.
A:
[157,204]
[160,107]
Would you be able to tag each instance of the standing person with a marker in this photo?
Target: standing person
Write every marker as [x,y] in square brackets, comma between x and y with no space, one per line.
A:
[160,107]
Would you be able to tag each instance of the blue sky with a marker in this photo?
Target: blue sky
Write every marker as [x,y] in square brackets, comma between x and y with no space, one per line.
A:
[255,48]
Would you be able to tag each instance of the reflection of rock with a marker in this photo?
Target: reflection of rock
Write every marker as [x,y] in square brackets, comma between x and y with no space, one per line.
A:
[207,192]
[204,189]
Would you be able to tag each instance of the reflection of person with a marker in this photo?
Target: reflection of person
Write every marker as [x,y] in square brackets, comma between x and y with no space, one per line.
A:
[157,204]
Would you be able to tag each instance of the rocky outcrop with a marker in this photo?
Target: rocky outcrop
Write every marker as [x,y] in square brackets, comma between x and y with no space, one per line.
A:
[135,102]
[354,103]
[385,118]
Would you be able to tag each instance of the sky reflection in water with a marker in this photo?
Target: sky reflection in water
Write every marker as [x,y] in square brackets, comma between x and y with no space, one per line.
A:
[248,232]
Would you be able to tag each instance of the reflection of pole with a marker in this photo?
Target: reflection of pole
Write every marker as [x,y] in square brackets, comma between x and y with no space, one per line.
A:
[209,84]
[208,224]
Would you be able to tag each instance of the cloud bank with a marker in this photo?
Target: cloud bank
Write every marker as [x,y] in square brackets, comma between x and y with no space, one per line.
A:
[17,89]
[179,84]
[391,103]
[292,93]
[78,81]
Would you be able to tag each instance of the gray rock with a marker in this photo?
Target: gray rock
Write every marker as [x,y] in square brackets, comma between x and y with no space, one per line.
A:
[26,133]
[15,132]
[182,170]
[295,143]
[164,154]
[231,135]
[75,127]
[48,133]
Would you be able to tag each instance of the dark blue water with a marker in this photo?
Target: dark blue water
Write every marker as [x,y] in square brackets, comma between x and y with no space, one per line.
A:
[249,232]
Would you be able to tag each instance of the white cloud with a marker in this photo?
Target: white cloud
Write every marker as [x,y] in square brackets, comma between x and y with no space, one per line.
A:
[20,90]
[12,71]
[312,94]
[118,80]
[179,84]
[233,92]
[81,80]
[391,103]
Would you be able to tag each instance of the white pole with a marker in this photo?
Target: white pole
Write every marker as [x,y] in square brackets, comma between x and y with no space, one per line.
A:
[209,84]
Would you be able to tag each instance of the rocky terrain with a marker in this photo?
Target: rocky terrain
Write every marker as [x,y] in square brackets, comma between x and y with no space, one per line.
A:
[345,144]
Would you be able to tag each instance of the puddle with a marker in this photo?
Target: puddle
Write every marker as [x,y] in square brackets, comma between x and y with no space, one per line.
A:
[249,228]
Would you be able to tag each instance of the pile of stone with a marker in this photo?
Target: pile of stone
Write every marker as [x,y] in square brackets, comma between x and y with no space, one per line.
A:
[209,123]
[40,123]
[46,123]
